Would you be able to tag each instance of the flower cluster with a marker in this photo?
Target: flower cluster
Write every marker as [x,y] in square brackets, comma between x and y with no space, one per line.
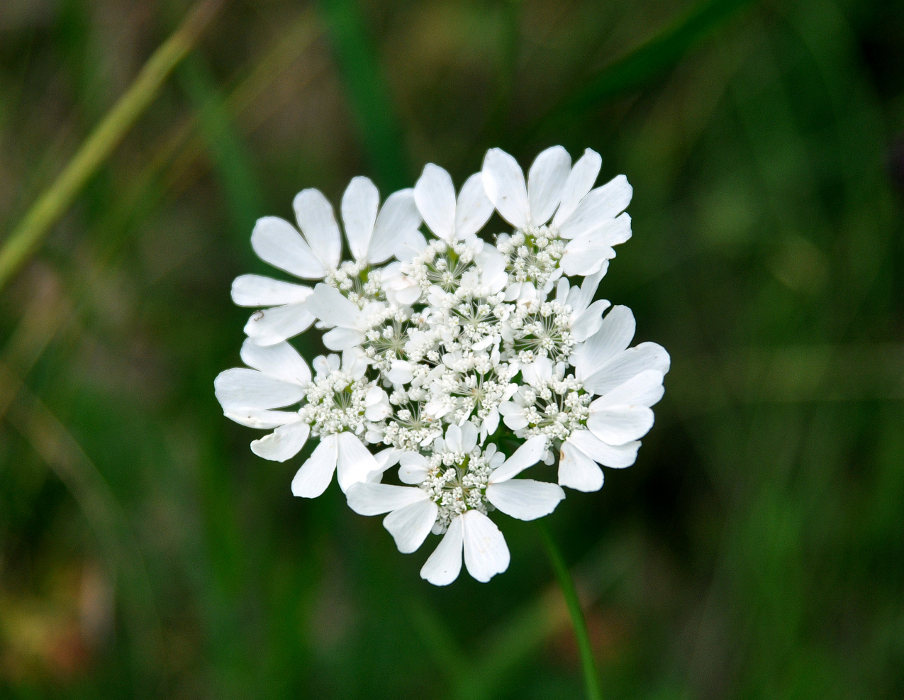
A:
[458,359]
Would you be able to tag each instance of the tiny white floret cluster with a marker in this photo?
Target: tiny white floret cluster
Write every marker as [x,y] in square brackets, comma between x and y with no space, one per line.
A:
[458,359]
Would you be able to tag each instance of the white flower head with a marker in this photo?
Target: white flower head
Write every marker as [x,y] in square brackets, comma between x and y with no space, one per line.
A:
[455,489]
[585,222]
[457,349]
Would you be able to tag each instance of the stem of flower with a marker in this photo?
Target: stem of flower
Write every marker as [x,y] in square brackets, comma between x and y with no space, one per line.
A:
[566,583]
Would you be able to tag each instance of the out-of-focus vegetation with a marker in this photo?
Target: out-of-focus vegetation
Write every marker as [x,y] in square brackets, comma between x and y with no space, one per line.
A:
[756,549]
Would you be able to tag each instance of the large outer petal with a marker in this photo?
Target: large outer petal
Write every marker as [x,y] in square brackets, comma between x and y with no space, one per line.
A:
[283,443]
[395,232]
[278,323]
[280,360]
[316,473]
[240,388]
[620,424]
[503,181]
[443,566]
[474,208]
[434,195]
[359,213]
[525,499]
[599,205]
[644,389]
[631,362]
[318,225]
[615,456]
[545,182]
[580,181]
[328,304]
[526,455]
[277,242]
[577,471]
[257,290]
[261,418]
[486,553]
[614,335]
[355,462]
[410,525]
[374,499]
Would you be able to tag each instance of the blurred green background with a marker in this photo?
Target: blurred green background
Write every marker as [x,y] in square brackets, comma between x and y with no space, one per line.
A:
[756,549]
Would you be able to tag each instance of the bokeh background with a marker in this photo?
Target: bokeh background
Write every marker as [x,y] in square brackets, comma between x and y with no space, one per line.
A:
[756,549]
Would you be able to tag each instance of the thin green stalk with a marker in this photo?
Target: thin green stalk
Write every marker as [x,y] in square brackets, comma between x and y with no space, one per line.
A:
[24,239]
[566,583]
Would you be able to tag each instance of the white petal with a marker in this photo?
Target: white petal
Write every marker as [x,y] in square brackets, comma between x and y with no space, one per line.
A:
[317,472]
[486,553]
[577,471]
[434,195]
[328,304]
[628,364]
[443,566]
[469,433]
[453,438]
[277,242]
[525,499]
[409,526]
[261,418]
[589,322]
[579,182]
[278,323]
[280,360]
[545,183]
[503,181]
[355,462]
[603,203]
[318,225]
[644,389]
[283,443]
[580,259]
[614,335]
[340,339]
[537,372]
[513,415]
[395,231]
[615,456]
[474,207]
[359,213]
[240,388]
[257,290]
[526,455]
[586,252]
[373,499]
[400,372]
[621,424]
[580,297]
[412,468]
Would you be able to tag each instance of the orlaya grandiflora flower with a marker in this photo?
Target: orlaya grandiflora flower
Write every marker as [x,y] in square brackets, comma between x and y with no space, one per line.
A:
[563,224]
[459,332]
[590,431]
[313,251]
[453,488]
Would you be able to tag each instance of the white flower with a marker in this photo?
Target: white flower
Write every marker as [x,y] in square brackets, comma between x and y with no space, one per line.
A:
[586,218]
[604,431]
[456,486]
[313,251]
[442,344]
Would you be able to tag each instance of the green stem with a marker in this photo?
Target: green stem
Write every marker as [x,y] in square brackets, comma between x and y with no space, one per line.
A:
[566,583]
[23,241]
